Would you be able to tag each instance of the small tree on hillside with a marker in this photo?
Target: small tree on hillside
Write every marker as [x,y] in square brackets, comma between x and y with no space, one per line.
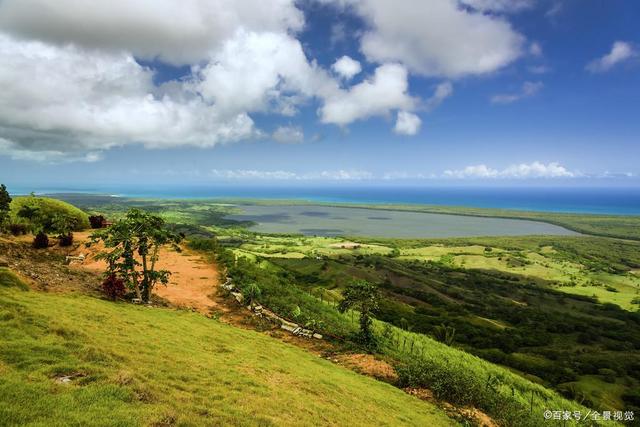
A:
[364,297]
[5,205]
[37,223]
[132,249]
[63,225]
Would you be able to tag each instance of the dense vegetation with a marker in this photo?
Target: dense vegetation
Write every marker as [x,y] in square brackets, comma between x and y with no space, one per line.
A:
[509,398]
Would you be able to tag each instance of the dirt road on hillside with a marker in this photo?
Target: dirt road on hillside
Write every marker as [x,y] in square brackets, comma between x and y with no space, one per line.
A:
[193,282]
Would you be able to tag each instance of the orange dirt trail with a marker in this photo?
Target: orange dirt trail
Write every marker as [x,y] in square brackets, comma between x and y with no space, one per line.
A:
[193,282]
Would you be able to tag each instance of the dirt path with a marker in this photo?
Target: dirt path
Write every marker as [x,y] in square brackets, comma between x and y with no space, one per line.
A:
[193,282]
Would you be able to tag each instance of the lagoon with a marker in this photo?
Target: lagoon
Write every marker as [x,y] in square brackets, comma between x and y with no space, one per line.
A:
[342,221]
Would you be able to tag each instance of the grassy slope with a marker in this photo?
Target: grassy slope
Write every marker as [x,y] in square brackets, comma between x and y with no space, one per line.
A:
[50,207]
[183,369]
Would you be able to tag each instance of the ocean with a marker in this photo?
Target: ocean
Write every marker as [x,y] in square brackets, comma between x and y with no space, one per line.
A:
[601,200]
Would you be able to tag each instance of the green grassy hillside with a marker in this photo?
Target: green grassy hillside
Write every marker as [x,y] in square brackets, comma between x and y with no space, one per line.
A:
[132,365]
[50,207]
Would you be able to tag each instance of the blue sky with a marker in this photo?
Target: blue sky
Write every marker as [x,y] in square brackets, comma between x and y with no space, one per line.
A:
[542,92]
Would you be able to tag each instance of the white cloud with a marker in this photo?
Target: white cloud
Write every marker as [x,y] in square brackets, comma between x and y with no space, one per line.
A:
[261,72]
[539,69]
[70,99]
[499,5]
[535,49]
[250,174]
[181,32]
[436,37]
[620,52]
[407,123]
[347,67]
[15,152]
[442,92]
[387,90]
[518,171]
[288,135]
[528,89]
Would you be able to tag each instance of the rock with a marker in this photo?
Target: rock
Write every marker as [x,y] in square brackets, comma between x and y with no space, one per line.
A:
[238,296]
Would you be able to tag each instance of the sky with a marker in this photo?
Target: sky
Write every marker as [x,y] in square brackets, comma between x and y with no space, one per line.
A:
[403,92]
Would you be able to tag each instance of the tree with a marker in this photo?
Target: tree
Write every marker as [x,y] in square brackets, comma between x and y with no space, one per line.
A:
[364,297]
[37,223]
[132,249]
[251,293]
[5,204]
[63,225]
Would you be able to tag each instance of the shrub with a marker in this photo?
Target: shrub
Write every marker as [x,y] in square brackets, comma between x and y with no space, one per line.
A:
[97,221]
[41,241]
[17,229]
[65,239]
[251,292]
[113,287]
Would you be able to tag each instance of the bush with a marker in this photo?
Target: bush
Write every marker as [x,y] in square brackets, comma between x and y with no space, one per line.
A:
[17,229]
[97,221]
[113,287]
[251,292]
[41,241]
[65,239]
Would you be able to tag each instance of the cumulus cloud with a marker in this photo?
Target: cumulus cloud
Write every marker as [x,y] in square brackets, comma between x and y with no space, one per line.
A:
[288,135]
[436,38]
[620,52]
[181,32]
[528,89]
[347,67]
[385,91]
[261,72]
[518,171]
[67,98]
[407,123]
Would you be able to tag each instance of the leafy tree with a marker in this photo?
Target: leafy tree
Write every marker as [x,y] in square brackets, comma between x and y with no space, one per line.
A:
[5,204]
[364,297]
[63,225]
[132,249]
[38,224]
[251,293]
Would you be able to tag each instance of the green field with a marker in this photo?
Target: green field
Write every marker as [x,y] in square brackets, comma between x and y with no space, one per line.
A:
[561,311]
[131,365]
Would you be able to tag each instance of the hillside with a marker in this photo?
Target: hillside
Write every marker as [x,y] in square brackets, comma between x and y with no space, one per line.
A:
[49,208]
[81,360]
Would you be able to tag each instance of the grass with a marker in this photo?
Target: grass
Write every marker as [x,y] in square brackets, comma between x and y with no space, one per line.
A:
[465,379]
[133,365]
[49,208]
[9,280]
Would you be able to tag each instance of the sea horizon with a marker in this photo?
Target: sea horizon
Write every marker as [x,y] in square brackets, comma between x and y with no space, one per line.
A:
[584,200]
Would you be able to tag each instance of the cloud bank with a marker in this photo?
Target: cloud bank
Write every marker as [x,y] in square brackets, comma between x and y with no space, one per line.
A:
[518,171]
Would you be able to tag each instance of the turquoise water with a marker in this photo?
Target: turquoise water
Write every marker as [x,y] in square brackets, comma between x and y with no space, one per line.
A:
[615,200]
[336,221]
